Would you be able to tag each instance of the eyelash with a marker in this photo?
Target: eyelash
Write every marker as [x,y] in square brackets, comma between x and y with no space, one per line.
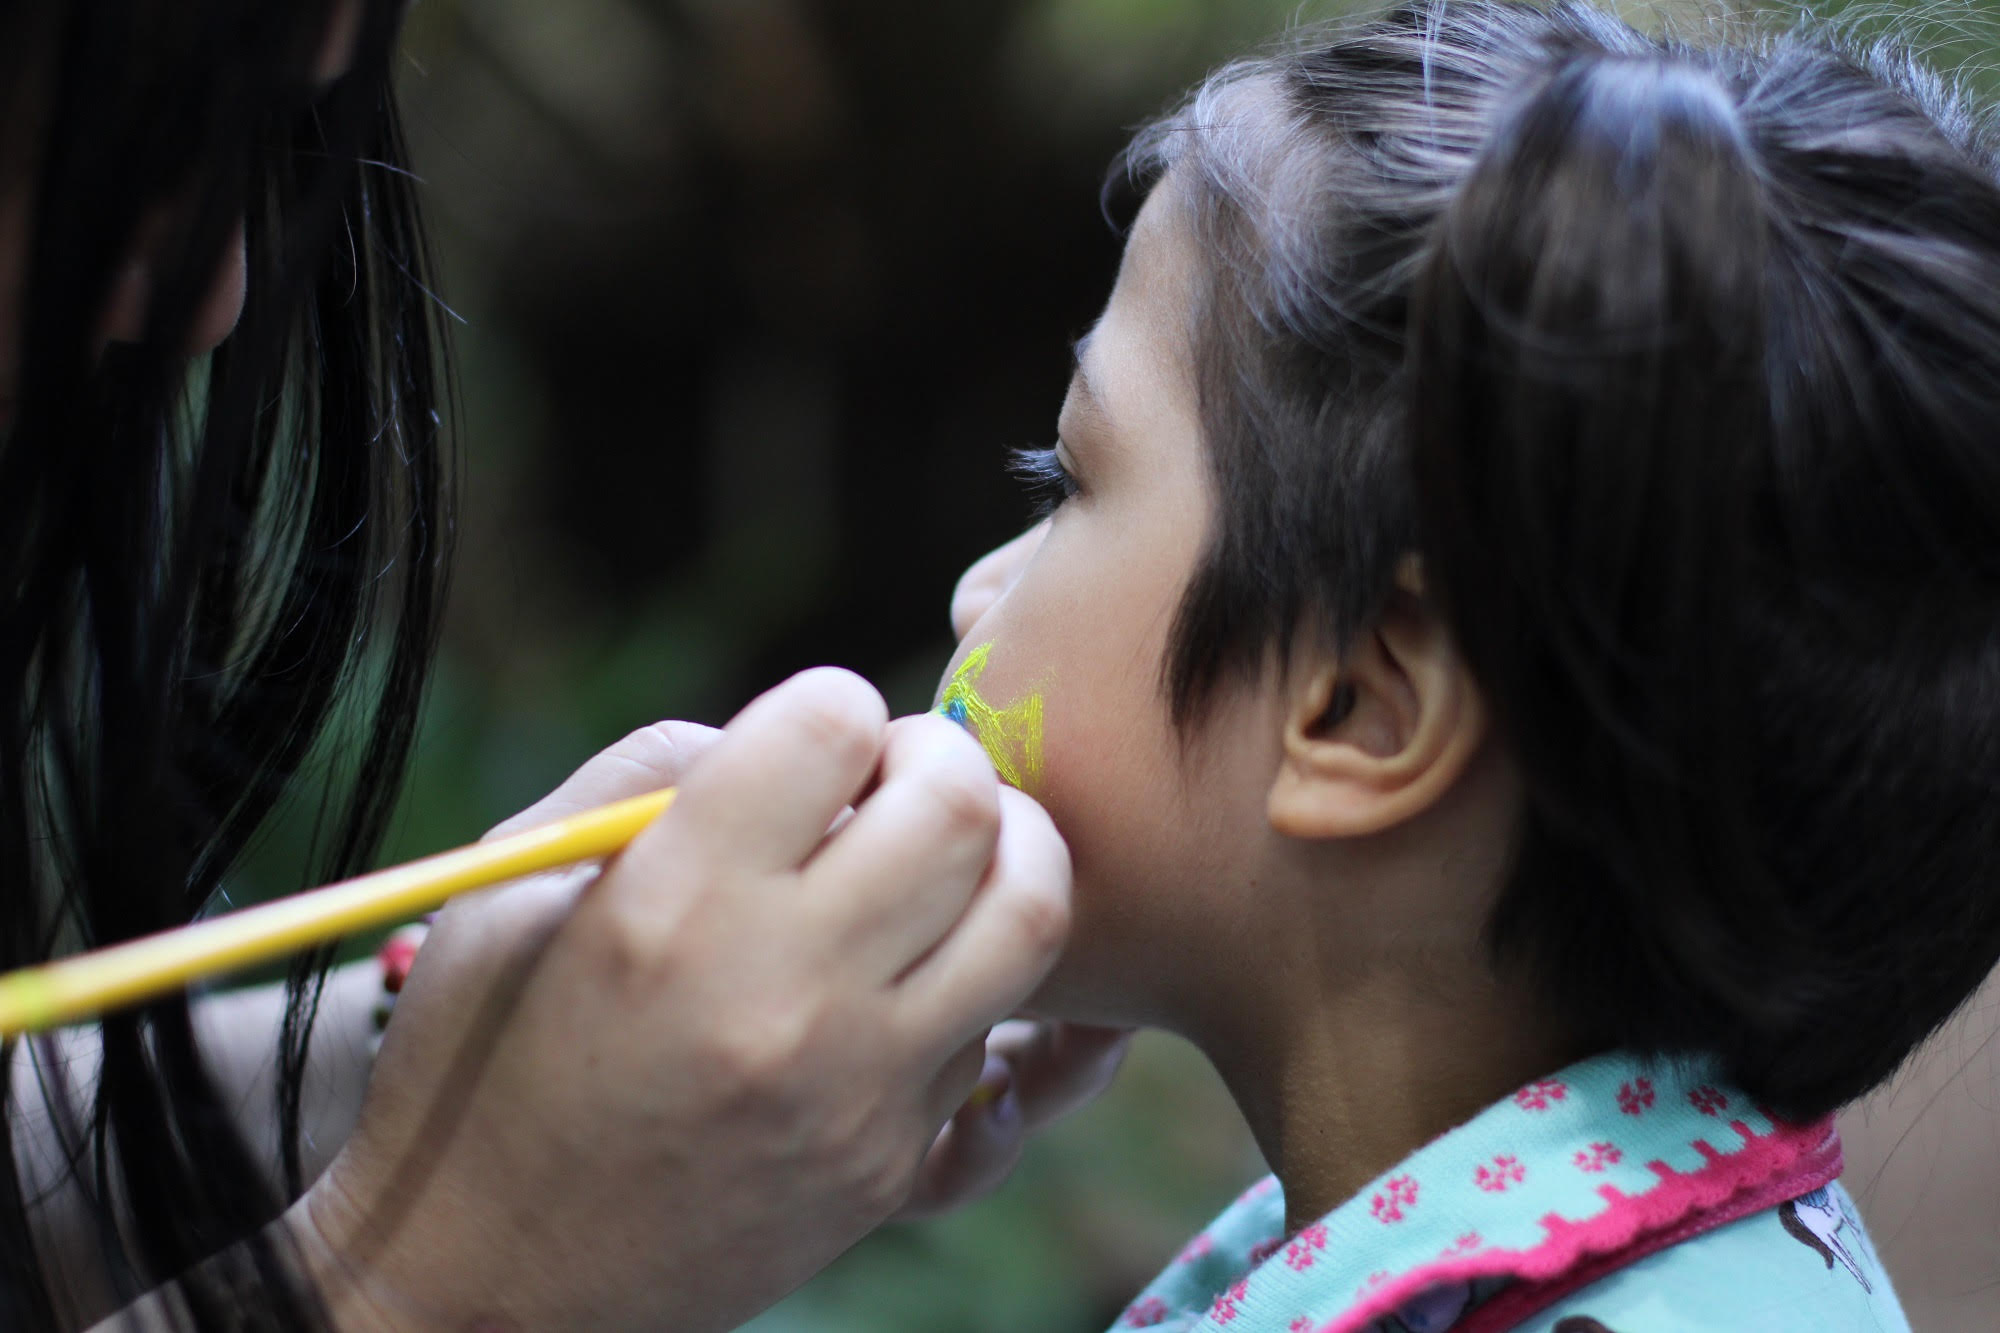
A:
[1047,480]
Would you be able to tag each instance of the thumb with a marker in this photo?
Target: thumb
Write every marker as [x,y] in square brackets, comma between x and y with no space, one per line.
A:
[499,931]
[651,758]
[976,1150]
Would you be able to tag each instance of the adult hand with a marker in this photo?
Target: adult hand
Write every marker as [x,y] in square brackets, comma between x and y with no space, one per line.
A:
[671,1098]
[1035,1072]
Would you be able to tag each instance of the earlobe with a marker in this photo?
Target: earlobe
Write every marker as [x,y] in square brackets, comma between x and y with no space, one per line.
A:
[1374,740]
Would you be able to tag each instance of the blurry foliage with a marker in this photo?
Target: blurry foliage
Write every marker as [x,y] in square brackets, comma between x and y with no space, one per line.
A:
[1098,1205]
[754,295]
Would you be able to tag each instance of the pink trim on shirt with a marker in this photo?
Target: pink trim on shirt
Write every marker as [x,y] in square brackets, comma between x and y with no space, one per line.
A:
[1770,1168]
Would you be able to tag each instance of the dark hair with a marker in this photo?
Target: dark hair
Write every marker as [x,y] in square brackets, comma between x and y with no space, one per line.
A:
[210,565]
[1678,362]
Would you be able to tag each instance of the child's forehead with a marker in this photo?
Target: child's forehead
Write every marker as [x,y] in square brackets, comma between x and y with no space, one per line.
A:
[1159,248]
[1083,403]
[1140,345]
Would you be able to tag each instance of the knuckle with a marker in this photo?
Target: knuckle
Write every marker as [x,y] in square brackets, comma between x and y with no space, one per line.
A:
[839,713]
[884,1189]
[885,1175]
[760,1052]
[630,948]
[967,802]
[863,1131]
[663,751]
[848,1143]
[1041,914]
[1035,874]
[1033,842]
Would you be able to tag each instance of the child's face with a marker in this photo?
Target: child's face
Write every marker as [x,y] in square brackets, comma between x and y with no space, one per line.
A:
[1079,610]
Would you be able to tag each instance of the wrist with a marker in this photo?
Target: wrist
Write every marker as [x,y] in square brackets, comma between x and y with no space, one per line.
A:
[327,1227]
[395,958]
[354,1287]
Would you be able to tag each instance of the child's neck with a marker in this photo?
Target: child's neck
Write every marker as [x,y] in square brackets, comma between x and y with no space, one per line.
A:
[1339,1087]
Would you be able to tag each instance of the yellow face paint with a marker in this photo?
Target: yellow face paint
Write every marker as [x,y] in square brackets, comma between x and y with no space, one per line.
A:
[1011,736]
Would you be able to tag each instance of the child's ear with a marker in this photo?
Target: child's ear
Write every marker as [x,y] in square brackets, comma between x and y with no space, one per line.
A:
[1381,736]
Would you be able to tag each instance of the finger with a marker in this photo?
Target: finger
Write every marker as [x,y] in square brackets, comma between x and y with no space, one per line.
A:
[1016,1037]
[976,1150]
[900,872]
[503,928]
[650,759]
[970,1075]
[1033,1073]
[1058,1067]
[784,768]
[1008,937]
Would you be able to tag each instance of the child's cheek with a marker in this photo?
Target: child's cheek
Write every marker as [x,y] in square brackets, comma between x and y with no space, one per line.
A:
[1007,722]
[1102,774]
[1105,801]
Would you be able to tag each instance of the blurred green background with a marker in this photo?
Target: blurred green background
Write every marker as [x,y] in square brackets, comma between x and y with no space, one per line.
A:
[752,298]
[755,296]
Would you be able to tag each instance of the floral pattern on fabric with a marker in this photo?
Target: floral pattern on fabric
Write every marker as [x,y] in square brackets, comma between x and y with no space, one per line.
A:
[1559,1183]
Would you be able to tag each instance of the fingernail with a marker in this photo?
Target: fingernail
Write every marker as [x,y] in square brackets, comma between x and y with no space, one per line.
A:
[1006,1112]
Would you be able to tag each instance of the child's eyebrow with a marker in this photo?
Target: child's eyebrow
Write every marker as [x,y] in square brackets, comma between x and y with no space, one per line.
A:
[1079,378]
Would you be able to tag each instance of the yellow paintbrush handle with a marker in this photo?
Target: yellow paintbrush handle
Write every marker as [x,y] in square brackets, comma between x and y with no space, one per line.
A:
[35,998]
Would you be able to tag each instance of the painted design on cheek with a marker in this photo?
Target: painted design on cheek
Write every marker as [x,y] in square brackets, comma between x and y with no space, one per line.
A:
[1011,736]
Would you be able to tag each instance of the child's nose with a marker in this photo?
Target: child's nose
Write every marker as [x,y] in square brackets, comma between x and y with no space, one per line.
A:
[989,578]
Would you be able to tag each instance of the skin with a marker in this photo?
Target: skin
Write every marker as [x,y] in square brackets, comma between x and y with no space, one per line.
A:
[552,1039]
[123,318]
[550,1049]
[567,1069]
[1271,884]
[745,1009]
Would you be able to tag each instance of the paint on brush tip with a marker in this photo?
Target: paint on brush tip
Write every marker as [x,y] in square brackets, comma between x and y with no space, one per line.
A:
[1011,736]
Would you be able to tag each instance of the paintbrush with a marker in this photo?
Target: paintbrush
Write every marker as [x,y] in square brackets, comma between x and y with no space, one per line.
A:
[86,985]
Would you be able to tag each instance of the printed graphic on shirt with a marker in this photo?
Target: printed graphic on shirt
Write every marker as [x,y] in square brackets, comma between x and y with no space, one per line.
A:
[1816,1220]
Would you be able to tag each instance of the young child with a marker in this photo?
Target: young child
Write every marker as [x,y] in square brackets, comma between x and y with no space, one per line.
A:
[1515,655]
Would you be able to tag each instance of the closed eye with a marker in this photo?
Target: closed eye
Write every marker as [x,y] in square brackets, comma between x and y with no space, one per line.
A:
[1049,483]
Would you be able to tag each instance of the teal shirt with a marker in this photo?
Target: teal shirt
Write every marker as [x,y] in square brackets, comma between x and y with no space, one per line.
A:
[1612,1197]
